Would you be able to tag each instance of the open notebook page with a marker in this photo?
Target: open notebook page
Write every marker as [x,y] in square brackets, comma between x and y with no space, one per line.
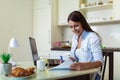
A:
[63,66]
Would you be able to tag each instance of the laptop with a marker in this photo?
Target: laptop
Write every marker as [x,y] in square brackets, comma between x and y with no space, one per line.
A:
[33,49]
[52,62]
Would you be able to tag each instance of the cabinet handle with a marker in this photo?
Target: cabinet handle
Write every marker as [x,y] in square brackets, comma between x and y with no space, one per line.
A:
[49,2]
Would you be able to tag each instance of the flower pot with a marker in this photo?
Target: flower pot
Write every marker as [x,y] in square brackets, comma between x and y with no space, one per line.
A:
[5,69]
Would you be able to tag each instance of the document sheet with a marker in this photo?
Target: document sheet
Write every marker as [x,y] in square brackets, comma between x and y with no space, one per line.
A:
[63,66]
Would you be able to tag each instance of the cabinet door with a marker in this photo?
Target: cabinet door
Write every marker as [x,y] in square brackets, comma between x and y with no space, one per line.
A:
[65,8]
[42,24]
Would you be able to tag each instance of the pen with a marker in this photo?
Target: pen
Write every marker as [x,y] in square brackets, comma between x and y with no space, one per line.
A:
[61,58]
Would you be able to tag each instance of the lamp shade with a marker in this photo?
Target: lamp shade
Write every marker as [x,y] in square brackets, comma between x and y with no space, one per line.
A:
[13,43]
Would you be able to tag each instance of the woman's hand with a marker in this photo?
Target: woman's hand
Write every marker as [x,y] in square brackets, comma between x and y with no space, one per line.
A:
[85,65]
[77,66]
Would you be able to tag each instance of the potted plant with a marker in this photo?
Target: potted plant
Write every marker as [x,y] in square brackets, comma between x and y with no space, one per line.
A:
[5,66]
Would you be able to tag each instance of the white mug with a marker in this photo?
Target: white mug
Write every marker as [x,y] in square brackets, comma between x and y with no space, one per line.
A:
[41,65]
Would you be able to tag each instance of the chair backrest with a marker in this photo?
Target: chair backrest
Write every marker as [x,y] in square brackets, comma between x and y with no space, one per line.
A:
[103,68]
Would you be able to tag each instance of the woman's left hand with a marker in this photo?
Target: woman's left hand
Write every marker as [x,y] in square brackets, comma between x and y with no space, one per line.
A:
[77,66]
[85,65]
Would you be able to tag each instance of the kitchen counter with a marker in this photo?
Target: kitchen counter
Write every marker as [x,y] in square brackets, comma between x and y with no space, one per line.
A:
[61,49]
[68,49]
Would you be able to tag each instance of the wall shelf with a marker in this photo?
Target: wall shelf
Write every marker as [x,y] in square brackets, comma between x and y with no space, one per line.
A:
[105,22]
[97,23]
[104,6]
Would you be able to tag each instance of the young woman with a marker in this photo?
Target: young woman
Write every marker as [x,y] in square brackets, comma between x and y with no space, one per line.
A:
[86,45]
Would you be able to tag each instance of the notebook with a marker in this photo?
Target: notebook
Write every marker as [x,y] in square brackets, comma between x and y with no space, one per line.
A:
[52,62]
[63,66]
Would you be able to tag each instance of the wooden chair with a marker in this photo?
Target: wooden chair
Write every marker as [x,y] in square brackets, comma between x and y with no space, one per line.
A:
[103,68]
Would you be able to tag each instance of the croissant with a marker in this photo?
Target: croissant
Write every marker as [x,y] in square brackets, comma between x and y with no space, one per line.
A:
[30,70]
[21,72]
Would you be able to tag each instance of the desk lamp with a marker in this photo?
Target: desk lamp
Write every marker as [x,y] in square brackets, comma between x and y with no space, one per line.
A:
[13,44]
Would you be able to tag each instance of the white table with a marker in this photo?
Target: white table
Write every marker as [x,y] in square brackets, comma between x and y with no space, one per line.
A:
[51,75]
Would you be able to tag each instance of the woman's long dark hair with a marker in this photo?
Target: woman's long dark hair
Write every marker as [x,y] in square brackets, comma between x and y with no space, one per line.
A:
[76,16]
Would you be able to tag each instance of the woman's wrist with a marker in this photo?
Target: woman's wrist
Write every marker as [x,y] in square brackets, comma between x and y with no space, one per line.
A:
[72,59]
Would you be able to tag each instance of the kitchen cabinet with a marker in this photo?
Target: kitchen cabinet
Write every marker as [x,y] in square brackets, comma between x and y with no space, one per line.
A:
[45,29]
[65,7]
[42,23]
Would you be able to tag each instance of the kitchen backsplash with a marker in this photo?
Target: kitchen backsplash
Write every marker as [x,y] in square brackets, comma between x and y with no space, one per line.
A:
[110,34]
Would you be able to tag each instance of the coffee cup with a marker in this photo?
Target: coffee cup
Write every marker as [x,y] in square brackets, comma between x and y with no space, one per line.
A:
[41,65]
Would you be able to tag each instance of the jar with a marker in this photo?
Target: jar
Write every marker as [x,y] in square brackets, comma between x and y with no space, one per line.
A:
[100,2]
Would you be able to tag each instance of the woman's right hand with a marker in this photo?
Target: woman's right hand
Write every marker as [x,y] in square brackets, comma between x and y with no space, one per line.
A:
[72,59]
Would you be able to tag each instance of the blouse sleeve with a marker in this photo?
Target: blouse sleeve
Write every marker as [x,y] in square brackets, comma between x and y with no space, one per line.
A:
[95,45]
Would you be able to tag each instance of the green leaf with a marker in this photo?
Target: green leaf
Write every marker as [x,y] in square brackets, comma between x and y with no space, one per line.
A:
[5,57]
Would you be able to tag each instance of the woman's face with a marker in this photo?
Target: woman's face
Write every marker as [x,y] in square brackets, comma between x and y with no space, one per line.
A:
[76,27]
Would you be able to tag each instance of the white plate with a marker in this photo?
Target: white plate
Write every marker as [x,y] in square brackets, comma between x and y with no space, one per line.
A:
[20,78]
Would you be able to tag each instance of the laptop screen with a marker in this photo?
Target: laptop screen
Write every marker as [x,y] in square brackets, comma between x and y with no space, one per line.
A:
[33,49]
[52,62]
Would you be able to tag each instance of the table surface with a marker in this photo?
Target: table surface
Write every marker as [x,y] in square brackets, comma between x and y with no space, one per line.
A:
[49,74]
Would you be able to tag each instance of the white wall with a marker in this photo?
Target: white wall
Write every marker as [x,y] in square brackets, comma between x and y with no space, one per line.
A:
[16,21]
